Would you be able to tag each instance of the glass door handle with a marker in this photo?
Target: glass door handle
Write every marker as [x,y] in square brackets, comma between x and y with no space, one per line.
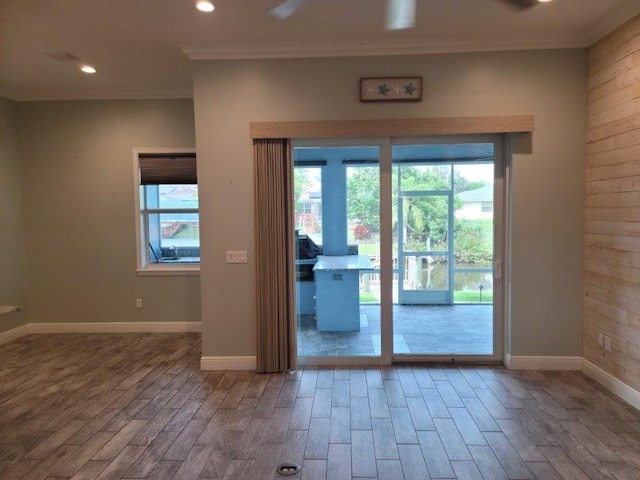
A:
[497,270]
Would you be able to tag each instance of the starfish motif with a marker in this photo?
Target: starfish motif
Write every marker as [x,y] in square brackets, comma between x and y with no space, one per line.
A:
[395,89]
[383,89]
[409,89]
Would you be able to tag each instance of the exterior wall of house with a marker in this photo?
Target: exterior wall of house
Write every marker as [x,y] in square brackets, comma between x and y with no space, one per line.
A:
[13,267]
[548,166]
[78,184]
[473,211]
[612,204]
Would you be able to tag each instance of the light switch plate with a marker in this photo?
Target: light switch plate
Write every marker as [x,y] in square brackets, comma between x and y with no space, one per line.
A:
[236,256]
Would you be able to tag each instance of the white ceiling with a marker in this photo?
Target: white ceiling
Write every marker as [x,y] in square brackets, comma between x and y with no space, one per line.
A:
[144,48]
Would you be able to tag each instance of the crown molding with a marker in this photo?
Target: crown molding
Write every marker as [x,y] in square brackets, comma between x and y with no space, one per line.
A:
[53,94]
[366,47]
[380,47]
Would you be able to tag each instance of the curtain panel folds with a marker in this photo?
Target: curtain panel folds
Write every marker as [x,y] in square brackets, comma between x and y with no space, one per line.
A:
[275,258]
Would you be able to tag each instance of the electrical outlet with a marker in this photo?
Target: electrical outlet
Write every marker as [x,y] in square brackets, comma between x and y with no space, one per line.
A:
[607,343]
[601,340]
[138,303]
[236,256]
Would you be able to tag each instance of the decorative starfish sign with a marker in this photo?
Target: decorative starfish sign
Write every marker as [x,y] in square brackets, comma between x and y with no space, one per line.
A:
[391,89]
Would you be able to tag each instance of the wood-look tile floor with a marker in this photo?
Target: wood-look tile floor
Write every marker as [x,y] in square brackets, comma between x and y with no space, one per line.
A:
[131,406]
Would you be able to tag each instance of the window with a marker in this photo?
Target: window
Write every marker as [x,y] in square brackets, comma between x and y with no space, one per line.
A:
[487,207]
[167,211]
[308,201]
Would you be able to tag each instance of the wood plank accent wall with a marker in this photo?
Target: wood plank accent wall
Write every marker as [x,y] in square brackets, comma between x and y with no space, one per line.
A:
[612,204]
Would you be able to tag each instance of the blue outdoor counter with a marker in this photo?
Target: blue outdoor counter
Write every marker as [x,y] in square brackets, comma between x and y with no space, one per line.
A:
[337,281]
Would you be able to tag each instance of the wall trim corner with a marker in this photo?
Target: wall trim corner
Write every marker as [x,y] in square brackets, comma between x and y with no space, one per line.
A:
[14,333]
[611,383]
[523,362]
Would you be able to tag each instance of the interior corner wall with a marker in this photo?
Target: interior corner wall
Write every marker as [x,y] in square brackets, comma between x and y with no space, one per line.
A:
[548,181]
[13,266]
[78,184]
[612,204]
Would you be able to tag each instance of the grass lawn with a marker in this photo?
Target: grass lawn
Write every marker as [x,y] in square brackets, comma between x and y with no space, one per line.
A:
[458,297]
[472,297]
[368,297]
[368,248]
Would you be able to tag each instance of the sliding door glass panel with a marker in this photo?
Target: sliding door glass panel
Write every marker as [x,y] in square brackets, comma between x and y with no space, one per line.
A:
[443,220]
[338,307]
[363,225]
[473,233]
[363,232]
[307,205]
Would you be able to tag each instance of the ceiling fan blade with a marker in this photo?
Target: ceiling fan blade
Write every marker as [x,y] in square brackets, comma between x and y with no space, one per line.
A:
[521,4]
[287,8]
[400,14]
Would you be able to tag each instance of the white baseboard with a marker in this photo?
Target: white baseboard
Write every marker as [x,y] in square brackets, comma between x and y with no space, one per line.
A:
[611,383]
[227,363]
[101,327]
[14,333]
[521,362]
[116,327]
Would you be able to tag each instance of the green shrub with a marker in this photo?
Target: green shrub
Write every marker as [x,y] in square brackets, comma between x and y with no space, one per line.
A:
[473,242]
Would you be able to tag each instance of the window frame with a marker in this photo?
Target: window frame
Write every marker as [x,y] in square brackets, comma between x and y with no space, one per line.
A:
[143,266]
[311,164]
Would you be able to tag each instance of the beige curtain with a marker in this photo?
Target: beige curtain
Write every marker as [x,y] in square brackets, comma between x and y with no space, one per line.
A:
[275,290]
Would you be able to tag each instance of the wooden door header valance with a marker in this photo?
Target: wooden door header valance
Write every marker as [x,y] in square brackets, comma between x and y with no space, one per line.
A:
[405,127]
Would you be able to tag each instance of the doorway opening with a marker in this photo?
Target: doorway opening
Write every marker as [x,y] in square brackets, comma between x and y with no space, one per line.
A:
[442,237]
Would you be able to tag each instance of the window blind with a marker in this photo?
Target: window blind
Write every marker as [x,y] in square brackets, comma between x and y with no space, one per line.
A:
[173,169]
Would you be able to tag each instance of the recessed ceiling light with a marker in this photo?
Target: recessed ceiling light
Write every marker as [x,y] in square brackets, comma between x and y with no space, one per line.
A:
[205,6]
[88,69]
[543,1]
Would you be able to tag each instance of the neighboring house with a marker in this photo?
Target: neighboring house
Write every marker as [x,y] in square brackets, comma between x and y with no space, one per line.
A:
[476,204]
[309,212]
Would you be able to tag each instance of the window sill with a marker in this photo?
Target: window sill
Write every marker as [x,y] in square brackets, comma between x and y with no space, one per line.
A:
[169,270]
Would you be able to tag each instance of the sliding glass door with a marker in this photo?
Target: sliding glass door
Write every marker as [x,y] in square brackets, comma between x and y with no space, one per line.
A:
[443,204]
[399,247]
[337,206]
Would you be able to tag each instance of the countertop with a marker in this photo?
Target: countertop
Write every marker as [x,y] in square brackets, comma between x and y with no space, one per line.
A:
[343,262]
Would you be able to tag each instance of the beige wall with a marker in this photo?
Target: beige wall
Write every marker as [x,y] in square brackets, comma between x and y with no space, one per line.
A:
[78,208]
[547,182]
[13,265]
[612,200]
